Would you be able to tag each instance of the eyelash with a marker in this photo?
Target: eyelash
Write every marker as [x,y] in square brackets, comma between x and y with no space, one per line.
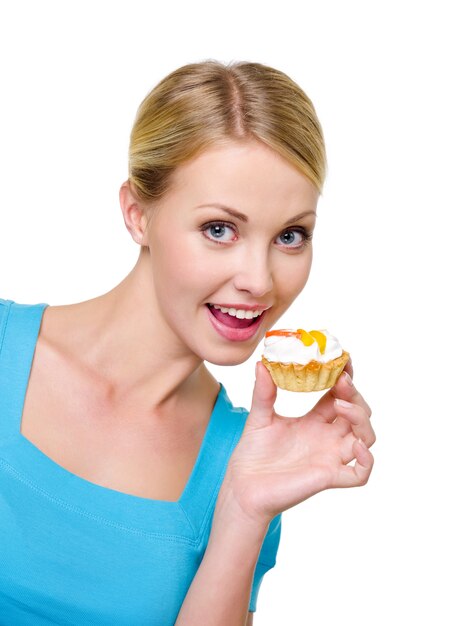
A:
[307,236]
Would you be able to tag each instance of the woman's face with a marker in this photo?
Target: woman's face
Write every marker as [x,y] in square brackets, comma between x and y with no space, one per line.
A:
[230,249]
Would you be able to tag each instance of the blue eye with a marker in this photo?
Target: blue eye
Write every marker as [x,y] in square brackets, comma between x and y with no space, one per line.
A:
[293,238]
[219,231]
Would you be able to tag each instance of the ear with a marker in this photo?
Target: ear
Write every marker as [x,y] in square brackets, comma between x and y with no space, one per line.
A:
[134,214]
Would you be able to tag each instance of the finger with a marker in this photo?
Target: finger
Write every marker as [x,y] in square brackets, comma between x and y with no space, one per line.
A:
[346,448]
[325,408]
[345,389]
[355,419]
[358,474]
[349,368]
[264,397]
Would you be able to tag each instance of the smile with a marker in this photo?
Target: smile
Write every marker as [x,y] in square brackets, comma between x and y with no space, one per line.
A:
[235,324]
[241,314]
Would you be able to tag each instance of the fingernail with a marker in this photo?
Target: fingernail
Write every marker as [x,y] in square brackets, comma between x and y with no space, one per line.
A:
[348,379]
[343,403]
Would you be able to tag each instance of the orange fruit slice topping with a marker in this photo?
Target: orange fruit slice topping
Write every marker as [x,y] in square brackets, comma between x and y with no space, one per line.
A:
[320,339]
[283,333]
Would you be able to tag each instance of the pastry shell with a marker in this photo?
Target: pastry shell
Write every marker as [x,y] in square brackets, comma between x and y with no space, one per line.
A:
[314,376]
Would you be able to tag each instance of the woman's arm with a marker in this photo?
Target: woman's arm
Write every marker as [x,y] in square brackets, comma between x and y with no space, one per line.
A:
[220,591]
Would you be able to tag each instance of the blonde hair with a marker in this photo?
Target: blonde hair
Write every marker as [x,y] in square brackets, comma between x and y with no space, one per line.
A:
[207,103]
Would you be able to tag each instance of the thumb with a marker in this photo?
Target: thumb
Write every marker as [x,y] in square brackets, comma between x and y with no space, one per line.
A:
[264,397]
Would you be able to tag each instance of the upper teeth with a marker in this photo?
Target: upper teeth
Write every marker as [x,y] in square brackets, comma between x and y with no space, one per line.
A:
[240,313]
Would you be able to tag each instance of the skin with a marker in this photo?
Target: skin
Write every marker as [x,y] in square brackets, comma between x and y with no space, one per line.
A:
[157,316]
[161,305]
[247,265]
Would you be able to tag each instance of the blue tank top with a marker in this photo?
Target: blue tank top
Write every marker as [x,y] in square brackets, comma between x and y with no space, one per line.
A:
[75,553]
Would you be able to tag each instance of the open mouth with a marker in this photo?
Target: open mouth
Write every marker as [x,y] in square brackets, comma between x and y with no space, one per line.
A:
[236,319]
[235,325]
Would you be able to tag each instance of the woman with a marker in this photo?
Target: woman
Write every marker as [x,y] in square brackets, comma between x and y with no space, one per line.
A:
[133,492]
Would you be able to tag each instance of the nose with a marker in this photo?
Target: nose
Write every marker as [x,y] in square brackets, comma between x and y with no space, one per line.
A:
[254,274]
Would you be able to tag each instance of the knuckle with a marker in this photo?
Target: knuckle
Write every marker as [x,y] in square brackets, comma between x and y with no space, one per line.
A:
[364,478]
[370,437]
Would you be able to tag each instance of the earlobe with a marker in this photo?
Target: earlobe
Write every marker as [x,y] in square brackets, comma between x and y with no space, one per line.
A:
[134,215]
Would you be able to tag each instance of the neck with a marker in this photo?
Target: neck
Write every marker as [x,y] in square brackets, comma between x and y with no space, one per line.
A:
[123,337]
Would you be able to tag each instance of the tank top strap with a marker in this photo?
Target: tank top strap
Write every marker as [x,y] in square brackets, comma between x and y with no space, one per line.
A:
[19,330]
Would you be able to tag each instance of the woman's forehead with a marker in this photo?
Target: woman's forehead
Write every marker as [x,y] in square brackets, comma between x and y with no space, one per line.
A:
[242,170]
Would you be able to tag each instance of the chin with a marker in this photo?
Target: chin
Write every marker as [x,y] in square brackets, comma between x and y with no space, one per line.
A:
[225,358]
[226,361]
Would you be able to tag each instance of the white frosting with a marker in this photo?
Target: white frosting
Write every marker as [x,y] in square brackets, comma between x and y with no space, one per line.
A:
[290,349]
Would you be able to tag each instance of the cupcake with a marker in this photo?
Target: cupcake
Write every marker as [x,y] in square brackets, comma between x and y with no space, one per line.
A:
[300,360]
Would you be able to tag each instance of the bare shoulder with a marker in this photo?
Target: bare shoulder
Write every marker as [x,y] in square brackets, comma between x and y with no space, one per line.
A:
[71,415]
[249,620]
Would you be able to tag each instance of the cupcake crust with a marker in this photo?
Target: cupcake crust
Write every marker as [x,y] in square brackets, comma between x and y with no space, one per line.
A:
[314,376]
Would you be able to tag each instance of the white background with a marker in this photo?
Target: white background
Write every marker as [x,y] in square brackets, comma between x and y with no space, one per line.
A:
[389,81]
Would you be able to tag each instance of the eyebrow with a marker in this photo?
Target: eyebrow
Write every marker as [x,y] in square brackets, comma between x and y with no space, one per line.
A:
[243,218]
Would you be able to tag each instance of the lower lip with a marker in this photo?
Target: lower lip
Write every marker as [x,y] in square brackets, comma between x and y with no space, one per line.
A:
[235,334]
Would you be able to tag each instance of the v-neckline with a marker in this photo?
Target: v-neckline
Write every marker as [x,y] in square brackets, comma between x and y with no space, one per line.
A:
[182,518]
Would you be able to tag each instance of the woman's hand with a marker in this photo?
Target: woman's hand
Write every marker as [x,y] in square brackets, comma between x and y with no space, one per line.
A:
[281,461]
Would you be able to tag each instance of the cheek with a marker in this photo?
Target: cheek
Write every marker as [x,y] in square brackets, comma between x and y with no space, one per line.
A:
[171,266]
[182,266]
[292,275]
